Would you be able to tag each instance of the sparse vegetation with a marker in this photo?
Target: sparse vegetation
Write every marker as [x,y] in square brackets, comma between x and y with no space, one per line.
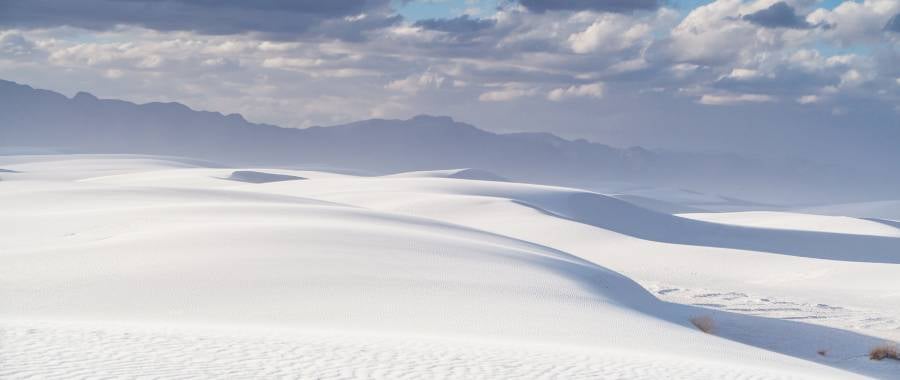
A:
[704,323]
[884,351]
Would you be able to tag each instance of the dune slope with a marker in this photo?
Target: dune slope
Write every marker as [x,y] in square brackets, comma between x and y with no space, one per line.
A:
[137,265]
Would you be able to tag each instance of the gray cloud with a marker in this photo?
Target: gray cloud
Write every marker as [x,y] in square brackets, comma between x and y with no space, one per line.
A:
[778,15]
[15,45]
[277,18]
[594,5]
[458,25]
[784,82]
[893,25]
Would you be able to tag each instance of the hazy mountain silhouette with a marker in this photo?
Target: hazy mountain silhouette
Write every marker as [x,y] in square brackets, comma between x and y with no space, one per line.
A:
[39,118]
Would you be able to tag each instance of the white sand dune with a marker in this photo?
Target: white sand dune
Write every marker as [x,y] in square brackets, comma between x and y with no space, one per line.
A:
[657,205]
[133,265]
[676,201]
[800,222]
[889,209]
[469,173]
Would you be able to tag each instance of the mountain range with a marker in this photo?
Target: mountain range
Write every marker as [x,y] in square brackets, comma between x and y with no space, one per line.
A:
[45,120]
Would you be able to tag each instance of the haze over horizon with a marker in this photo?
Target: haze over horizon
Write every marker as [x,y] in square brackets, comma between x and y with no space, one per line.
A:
[799,78]
[37,121]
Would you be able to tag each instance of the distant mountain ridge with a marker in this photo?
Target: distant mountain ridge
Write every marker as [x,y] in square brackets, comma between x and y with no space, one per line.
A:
[40,118]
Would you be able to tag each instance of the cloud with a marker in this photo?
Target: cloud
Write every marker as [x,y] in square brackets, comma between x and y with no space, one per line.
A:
[14,44]
[809,99]
[893,25]
[609,33]
[593,90]
[743,74]
[458,25]
[710,35]
[415,83]
[279,18]
[854,22]
[778,15]
[620,6]
[507,93]
[732,99]
[286,63]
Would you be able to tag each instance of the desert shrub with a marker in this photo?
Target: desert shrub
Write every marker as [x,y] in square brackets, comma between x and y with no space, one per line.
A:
[704,323]
[884,351]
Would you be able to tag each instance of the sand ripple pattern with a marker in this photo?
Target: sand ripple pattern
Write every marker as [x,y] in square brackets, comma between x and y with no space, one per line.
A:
[855,319]
[54,352]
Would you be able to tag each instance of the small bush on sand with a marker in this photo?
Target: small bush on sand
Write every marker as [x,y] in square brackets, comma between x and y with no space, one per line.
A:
[884,351]
[704,323]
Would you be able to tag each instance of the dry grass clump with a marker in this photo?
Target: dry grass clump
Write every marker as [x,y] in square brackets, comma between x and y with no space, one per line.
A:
[884,351]
[704,323]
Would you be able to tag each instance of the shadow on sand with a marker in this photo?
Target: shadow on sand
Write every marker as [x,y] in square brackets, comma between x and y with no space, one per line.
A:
[625,218]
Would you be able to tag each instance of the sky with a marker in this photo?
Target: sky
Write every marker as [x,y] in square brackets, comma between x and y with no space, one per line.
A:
[812,78]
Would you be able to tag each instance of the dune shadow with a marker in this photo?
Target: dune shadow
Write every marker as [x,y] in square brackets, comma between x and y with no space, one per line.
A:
[250,176]
[891,223]
[625,218]
[844,349]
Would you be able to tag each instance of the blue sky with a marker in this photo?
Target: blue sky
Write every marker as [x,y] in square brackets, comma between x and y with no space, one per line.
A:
[419,10]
